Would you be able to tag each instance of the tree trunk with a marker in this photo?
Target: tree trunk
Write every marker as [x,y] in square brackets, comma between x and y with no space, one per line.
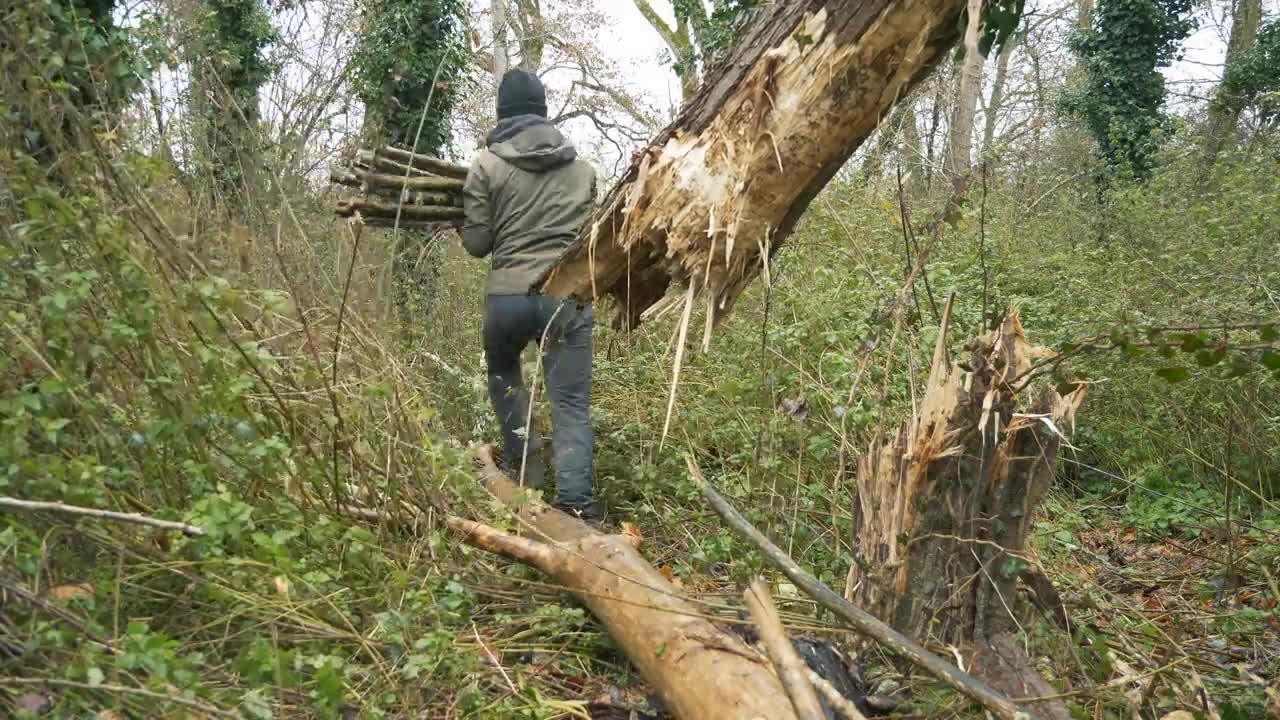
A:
[943,517]
[700,670]
[996,103]
[718,192]
[1246,15]
[968,85]
[501,60]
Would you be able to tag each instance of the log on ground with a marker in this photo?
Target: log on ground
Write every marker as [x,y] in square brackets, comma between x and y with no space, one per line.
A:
[717,193]
[700,670]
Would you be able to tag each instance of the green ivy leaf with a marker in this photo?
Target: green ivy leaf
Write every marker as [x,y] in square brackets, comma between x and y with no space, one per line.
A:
[1271,360]
[1174,374]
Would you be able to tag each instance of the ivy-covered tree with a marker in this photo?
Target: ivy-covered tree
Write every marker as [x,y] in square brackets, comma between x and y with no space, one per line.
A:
[228,75]
[410,67]
[1121,53]
[1252,78]
[95,65]
[411,57]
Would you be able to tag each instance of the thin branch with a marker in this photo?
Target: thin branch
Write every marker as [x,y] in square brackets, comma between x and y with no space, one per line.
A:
[57,507]
[786,661]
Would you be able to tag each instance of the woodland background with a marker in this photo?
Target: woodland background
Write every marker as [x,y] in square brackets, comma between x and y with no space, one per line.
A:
[191,334]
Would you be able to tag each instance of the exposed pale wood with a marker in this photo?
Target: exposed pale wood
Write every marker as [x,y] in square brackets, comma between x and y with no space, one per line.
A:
[945,506]
[700,670]
[786,661]
[859,619]
[802,88]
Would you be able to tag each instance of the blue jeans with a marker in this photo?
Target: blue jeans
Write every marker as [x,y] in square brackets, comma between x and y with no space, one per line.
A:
[511,322]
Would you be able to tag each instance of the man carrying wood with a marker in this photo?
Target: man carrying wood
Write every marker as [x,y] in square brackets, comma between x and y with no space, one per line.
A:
[526,195]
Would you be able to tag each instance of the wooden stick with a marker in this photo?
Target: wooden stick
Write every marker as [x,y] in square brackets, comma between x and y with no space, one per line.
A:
[416,197]
[786,661]
[834,698]
[433,165]
[862,621]
[373,208]
[119,689]
[38,506]
[359,177]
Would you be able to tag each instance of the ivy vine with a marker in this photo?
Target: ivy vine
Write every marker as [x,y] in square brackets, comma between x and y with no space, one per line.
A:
[233,70]
[1123,92]
[410,51]
[1252,80]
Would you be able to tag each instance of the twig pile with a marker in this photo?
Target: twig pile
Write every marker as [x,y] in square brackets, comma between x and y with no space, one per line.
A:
[401,188]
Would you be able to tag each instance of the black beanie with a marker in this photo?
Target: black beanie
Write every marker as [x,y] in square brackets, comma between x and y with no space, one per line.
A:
[521,93]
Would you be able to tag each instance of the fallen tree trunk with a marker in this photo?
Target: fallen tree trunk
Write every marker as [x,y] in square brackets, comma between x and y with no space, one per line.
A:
[714,196]
[944,512]
[700,670]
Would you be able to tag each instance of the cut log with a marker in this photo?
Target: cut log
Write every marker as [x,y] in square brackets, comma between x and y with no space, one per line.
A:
[718,192]
[396,191]
[426,163]
[700,670]
[418,183]
[944,512]
[423,213]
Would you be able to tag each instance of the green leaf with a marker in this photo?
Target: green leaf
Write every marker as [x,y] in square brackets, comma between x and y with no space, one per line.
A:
[1209,358]
[1271,360]
[1270,333]
[1192,342]
[1173,374]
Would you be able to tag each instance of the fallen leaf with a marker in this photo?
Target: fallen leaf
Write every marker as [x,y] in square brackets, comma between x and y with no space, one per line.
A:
[666,573]
[71,591]
[1179,715]
[282,585]
[108,715]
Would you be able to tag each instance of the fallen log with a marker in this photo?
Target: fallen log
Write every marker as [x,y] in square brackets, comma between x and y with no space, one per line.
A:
[700,670]
[372,208]
[944,511]
[715,195]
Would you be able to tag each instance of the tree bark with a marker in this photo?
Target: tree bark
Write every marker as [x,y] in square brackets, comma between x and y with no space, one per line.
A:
[700,670]
[501,59]
[968,84]
[717,193]
[944,512]
[1246,16]
[996,103]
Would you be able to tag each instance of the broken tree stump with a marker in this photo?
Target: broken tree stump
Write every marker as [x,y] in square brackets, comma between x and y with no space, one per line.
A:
[715,195]
[700,670]
[945,506]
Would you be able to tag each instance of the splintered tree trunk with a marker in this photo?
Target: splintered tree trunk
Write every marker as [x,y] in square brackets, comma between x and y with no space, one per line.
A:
[718,191]
[945,507]
[700,670]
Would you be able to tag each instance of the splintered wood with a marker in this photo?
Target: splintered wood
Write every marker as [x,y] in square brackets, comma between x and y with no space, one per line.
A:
[717,193]
[945,505]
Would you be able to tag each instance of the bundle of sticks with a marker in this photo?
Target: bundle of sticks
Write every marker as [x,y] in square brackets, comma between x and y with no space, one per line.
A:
[401,189]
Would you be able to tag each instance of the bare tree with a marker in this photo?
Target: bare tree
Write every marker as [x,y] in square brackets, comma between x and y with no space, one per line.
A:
[968,87]
[1246,16]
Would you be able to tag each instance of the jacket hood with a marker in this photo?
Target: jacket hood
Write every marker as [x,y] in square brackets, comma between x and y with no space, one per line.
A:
[531,143]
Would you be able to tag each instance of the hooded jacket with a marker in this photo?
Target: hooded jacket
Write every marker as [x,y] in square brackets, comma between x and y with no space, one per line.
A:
[525,198]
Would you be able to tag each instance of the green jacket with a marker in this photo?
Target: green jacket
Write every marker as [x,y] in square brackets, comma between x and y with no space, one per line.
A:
[526,196]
